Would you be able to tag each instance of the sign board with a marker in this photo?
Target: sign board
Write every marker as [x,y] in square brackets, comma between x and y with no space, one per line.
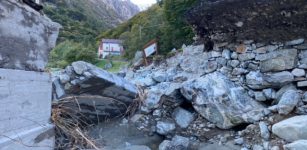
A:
[150,48]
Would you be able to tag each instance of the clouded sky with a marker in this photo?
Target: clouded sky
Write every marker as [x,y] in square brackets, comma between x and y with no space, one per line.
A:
[144,3]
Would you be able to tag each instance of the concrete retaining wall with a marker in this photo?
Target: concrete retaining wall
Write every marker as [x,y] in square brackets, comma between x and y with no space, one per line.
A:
[25,110]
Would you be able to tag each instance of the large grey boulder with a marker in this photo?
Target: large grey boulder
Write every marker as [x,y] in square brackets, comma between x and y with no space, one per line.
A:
[278,60]
[96,91]
[221,101]
[296,145]
[291,129]
[27,37]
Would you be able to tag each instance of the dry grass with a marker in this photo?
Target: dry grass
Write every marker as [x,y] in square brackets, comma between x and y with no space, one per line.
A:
[137,102]
[70,125]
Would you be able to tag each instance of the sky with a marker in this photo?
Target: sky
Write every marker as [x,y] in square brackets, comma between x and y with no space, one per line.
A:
[143,4]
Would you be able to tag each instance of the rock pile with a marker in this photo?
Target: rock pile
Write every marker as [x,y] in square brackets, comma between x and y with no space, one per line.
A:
[236,93]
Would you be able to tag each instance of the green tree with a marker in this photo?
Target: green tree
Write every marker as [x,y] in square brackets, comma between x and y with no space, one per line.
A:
[67,52]
[177,31]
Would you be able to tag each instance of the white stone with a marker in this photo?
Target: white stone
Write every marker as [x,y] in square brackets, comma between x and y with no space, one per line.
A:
[297,145]
[298,72]
[291,129]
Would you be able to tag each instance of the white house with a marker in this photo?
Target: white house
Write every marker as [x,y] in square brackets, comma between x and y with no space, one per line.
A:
[110,47]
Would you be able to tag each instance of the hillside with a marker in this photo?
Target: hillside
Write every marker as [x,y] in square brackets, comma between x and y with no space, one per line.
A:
[164,22]
[84,19]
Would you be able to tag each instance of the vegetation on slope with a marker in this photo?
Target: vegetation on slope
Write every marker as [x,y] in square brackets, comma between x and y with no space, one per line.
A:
[82,21]
[164,22]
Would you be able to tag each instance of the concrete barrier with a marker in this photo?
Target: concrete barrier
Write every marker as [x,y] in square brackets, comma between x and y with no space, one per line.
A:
[25,110]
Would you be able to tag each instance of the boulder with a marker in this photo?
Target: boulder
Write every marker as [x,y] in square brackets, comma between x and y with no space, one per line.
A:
[94,90]
[27,37]
[221,101]
[279,60]
[291,129]
[296,145]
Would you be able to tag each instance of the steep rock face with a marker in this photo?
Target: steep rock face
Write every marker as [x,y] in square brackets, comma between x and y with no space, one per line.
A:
[110,12]
[240,19]
[124,8]
[26,37]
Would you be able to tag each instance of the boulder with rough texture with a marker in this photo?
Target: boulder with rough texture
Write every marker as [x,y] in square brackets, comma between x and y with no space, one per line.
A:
[95,91]
[27,37]
[221,101]
[291,129]
[278,60]
[296,145]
